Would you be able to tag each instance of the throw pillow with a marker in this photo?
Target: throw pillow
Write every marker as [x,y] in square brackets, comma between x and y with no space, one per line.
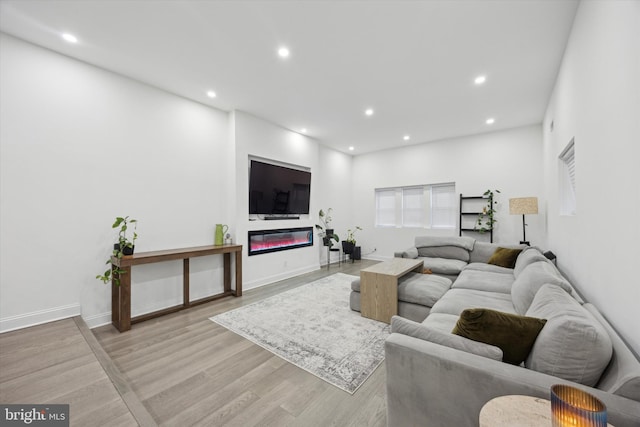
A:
[513,334]
[504,257]
[427,271]
[408,327]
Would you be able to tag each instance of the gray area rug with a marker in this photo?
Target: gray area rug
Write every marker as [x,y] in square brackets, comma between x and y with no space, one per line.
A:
[313,327]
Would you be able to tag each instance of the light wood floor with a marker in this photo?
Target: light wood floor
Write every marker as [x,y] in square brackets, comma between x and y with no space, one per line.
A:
[183,369]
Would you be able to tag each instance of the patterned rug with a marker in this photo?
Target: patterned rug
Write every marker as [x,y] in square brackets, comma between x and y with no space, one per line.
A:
[313,327]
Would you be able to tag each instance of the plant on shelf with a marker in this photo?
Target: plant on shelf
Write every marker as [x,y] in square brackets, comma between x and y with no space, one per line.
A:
[486,219]
[350,241]
[325,231]
[120,249]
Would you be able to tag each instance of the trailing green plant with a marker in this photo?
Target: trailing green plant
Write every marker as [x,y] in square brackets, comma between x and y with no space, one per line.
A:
[124,244]
[487,218]
[351,234]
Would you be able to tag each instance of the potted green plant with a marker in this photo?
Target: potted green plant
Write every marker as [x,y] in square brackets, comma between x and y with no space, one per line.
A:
[326,233]
[124,247]
[350,241]
[486,219]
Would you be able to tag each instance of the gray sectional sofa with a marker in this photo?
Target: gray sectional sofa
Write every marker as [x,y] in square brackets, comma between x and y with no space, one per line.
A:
[436,378]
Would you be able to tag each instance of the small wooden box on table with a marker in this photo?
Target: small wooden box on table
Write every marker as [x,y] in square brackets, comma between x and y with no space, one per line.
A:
[379,287]
[121,295]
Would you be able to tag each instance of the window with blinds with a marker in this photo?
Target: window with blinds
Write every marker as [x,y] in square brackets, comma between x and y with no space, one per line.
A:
[443,206]
[386,208]
[423,206]
[568,179]
[413,207]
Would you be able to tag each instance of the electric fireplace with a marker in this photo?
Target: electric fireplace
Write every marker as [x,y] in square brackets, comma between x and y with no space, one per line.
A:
[265,241]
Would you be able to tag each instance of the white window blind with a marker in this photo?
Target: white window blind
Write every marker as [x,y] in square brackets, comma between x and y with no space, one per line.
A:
[386,208]
[413,207]
[430,206]
[443,206]
[568,179]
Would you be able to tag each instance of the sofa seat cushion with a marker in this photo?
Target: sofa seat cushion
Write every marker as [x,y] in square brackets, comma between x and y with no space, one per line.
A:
[512,333]
[531,279]
[444,265]
[442,322]
[423,289]
[457,300]
[484,281]
[573,345]
[420,331]
[482,266]
[417,288]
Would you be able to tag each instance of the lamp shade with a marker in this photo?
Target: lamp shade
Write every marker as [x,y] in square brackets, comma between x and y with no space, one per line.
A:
[523,206]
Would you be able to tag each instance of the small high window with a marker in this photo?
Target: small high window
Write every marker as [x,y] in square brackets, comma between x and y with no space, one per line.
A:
[568,179]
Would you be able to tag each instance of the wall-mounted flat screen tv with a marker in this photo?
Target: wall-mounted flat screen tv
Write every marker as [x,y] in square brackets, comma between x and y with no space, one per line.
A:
[278,190]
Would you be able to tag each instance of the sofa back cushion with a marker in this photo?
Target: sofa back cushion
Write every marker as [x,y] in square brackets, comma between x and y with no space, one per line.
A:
[527,257]
[531,279]
[451,252]
[573,345]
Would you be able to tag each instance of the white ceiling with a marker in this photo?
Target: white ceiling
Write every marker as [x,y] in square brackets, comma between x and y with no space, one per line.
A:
[413,62]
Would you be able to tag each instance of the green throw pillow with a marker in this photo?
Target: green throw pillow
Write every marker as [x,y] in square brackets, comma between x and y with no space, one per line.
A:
[513,334]
[504,257]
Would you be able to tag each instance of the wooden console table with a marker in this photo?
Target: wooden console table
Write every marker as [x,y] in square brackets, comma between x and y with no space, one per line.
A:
[121,295]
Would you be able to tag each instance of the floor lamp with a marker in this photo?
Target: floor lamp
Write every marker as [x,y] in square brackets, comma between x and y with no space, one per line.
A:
[523,206]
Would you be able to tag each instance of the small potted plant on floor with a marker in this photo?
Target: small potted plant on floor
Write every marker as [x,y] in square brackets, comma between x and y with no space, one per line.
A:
[349,243]
[124,247]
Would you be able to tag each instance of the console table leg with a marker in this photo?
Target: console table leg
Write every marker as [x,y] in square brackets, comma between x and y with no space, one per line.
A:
[115,299]
[185,283]
[238,273]
[125,300]
[227,272]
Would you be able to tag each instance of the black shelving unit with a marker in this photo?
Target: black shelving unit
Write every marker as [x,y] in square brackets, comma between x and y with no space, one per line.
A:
[464,213]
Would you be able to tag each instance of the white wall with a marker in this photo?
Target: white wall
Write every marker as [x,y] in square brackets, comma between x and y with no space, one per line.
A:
[596,100]
[329,184]
[80,146]
[509,161]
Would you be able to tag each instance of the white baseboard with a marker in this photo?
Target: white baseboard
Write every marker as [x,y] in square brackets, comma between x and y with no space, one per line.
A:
[38,317]
[276,277]
[377,258]
[97,320]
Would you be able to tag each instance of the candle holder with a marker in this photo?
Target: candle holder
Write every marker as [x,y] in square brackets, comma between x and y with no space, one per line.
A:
[576,408]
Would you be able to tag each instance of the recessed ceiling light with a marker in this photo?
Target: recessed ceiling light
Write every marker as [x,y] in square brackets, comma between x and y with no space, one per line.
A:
[480,80]
[303,130]
[70,38]
[211,94]
[490,121]
[406,137]
[369,111]
[351,148]
[283,52]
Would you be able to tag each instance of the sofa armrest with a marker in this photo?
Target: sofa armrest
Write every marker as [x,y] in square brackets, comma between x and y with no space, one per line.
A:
[407,253]
[432,385]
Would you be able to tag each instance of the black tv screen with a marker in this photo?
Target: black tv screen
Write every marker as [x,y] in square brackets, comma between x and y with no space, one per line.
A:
[278,190]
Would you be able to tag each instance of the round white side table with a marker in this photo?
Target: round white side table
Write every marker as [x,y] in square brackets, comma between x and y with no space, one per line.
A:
[517,411]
